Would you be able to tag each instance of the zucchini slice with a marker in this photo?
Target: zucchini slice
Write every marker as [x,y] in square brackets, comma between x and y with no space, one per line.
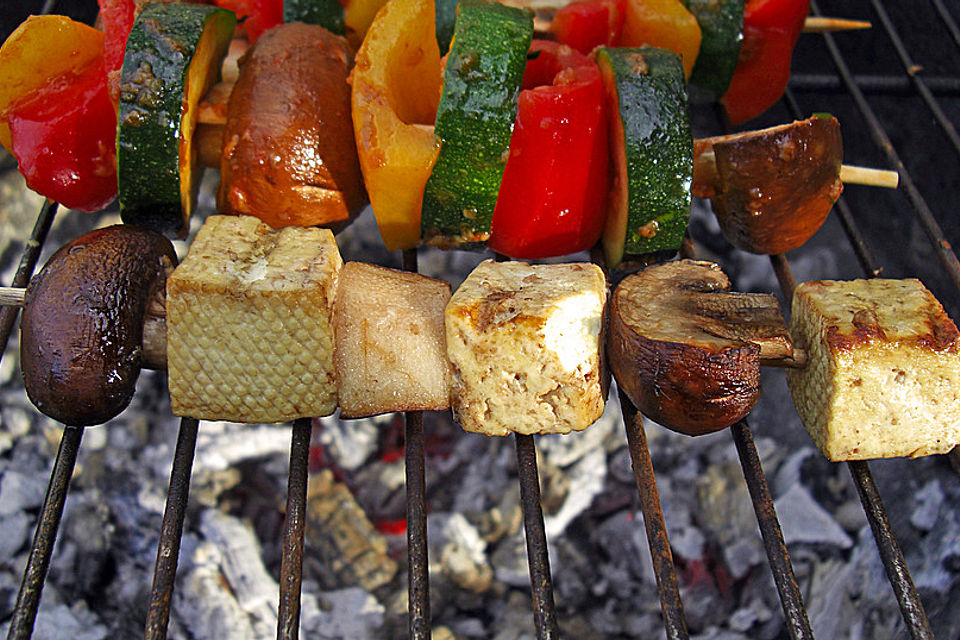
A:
[329,14]
[721,29]
[478,106]
[173,56]
[652,151]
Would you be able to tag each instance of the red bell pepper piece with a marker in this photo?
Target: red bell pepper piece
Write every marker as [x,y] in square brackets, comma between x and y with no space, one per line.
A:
[587,24]
[770,32]
[117,17]
[257,15]
[64,137]
[552,199]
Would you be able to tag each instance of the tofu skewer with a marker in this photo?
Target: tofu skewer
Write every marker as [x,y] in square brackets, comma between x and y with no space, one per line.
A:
[890,319]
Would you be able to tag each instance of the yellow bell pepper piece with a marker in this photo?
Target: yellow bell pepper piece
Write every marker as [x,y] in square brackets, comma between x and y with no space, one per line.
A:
[396,88]
[663,23]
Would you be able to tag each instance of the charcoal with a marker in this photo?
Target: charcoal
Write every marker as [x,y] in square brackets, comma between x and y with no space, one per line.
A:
[343,614]
[929,500]
[350,443]
[509,561]
[346,550]
[564,450]
[15,532]
[585,479]
[60,621]
[460,553]
[803,520]
[20,491]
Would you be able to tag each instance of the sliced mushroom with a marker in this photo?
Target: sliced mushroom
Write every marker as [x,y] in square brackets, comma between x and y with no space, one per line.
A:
[83,322]
[771,189]
[687,350]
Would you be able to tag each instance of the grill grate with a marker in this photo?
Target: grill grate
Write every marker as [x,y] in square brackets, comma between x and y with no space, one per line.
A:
[855,88]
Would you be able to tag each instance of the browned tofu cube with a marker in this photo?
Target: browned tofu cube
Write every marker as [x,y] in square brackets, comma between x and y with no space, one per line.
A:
[524,342]
[249,323]
[391,352]
[883,373]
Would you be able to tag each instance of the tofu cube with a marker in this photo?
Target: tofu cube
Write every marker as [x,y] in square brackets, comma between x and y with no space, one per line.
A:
[250,323]
[524,342]
[391,353]
[883,373]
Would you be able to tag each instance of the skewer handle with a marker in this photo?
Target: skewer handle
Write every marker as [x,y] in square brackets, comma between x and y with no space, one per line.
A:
[823,24]
[852,174]
[12,296]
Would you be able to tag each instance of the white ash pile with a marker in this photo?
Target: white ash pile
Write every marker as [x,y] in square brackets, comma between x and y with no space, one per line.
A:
[355,567]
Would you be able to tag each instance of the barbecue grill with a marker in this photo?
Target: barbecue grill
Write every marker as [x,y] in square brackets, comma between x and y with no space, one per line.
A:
[895,90]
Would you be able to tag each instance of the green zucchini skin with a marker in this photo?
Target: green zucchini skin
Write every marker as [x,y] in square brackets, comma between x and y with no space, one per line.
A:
[153,81]
[721,29]
[657,145]
[474,122]
[446,12]
[326,13]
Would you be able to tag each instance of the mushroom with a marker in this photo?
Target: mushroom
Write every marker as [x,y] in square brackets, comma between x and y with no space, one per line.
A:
[687,351]
[771,189]
[83,322]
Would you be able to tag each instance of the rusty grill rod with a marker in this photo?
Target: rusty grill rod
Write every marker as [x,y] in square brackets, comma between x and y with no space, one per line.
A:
[910,605]
[291,564]
[171,531]
[670,603]
[28,600]
[28,263]
[796,616]
[890,553]
[538,559]
[791,600]
[418,573]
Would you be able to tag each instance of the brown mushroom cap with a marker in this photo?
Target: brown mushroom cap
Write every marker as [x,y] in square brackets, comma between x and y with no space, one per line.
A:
[771,189]
[686,350]
[82,324]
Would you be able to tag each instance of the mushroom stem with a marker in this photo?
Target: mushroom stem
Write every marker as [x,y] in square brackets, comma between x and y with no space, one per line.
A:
[797,359]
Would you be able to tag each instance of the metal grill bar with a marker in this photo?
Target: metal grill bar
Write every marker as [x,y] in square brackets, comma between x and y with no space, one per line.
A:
[28,264]
[171,531]
[887,85]
[291,564]
[893,561]
[418,572]
[948,21]
[28,600]
[791,600]
[880,137]
[897,571]
[918,82]
[907,596]
[796,616]
[538,560]
[418,578]
[663,567]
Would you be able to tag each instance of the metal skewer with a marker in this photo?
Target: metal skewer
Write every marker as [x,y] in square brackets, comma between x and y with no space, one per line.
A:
[171,531]
[670,603]
[291,564]
[418,573]
[28,600]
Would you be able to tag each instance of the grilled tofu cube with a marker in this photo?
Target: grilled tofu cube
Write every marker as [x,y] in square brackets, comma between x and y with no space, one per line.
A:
[391,353]
[883,372]
[524,343]
[249,323]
